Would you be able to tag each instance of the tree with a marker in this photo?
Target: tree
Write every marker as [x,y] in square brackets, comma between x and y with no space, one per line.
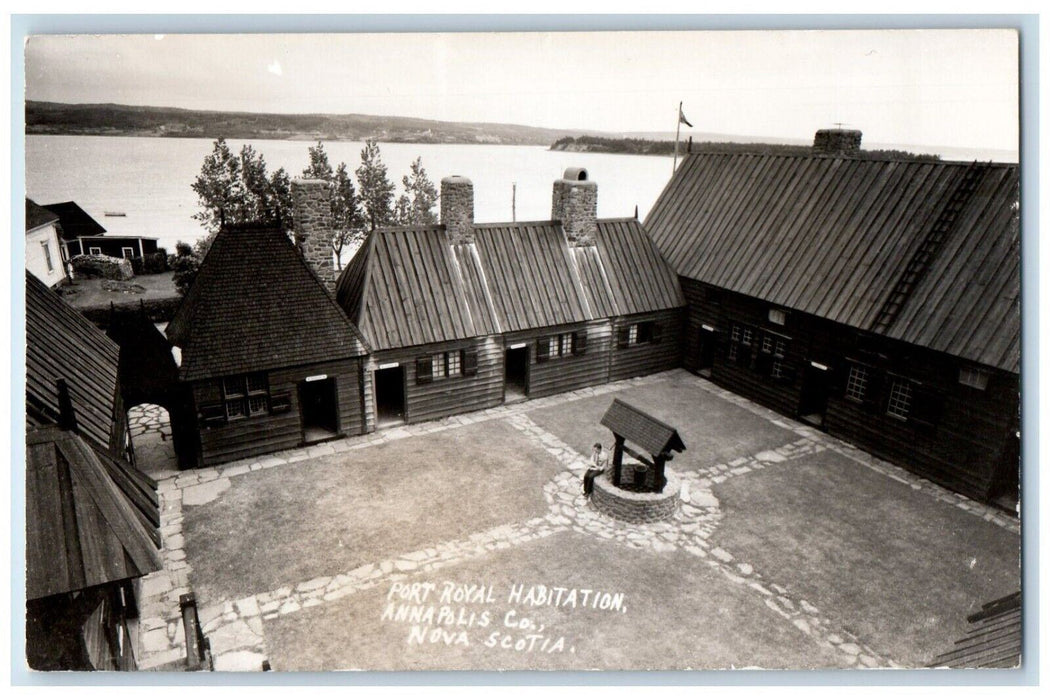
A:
[347,216]
[237,189]
[416,205]
[217,185]
[377,192]
[184,265]
[319,167]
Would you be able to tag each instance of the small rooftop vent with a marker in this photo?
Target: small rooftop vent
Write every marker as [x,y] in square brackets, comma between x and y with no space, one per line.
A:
[577,174]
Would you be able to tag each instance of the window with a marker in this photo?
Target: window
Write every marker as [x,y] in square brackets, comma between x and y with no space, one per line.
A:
[246,395]
[777,316]
[566,344]
[47,256]
[638,334]
[973,377]
[740,340]
[128,253]
[94,250]
[857,383]
[446,364]
[772,353]
[900,399]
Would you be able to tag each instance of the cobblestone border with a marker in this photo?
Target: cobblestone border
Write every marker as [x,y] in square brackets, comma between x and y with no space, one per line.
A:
[917,483]
[234,628]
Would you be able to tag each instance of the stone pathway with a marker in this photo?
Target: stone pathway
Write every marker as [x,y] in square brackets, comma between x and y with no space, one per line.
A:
[151,437]
[235,628]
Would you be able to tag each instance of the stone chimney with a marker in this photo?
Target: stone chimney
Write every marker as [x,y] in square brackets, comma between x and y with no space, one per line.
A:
[575,205]
[457,208]
[312,223]
[838,142]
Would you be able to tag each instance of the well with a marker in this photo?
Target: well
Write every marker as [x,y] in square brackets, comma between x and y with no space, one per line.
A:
[637,506]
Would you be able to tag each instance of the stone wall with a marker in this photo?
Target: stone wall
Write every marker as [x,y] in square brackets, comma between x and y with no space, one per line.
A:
[104,266]
[312,223]
[575,204]
[457,208]
[636,507]
[837,141]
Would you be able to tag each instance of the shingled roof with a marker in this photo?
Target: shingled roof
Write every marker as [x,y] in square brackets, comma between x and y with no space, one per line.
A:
[63,344]
[834,236]
[993,639]
[90,519]
[75,222]
[256,305]
[633,424]
[37,216]
[413,286]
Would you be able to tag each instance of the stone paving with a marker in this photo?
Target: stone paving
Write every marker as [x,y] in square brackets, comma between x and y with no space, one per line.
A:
[235,628]
[151,437]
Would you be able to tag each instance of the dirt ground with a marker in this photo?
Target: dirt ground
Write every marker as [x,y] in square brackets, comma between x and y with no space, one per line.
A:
[788,554]
[88,293]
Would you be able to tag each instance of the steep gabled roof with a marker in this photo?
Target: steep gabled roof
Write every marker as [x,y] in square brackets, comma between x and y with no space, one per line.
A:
[256,305]
[531,278]
[413,286]
[834,237]
[651,434]
[90,520]
[63,344]
[75,222]
[410,286]
[37,216]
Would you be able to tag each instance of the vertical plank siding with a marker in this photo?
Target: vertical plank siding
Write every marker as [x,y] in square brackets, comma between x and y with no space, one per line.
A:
[278,431]
[961,449]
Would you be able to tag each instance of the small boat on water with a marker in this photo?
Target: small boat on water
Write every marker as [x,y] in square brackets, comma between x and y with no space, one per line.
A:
[114,213]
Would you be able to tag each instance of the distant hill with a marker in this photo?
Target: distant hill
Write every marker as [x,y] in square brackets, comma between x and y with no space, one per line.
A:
[637,146]
[127,120]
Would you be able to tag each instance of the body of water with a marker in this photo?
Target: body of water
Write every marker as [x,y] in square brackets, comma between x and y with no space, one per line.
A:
[148,179]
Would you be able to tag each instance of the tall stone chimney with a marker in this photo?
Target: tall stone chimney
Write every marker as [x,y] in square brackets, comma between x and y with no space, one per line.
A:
[457,208]
[312,223]
[839,142]
[575,205]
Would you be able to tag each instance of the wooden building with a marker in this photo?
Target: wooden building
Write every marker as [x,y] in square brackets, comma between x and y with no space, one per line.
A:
[271,360]
[45,256]
[82,235]
[876,298]
[92,519]
[463,315]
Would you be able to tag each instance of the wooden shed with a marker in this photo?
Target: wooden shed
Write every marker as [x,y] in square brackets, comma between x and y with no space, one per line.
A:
[91,517]
[464,315]
[271,359]
[876,298]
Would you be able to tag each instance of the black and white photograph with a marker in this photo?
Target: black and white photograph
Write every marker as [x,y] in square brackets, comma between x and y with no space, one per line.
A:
[647,350]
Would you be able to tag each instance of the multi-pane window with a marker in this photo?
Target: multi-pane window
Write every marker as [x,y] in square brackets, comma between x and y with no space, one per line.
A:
[741,339]
[446,364]
[246,395]
[899,404]
[639,333]
[566,344]
[94,250]
[779,351]
[777,316]
[973,377]
[857,383]
[47,256]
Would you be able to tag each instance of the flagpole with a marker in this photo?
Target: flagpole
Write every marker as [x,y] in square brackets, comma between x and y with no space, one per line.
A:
[677,131]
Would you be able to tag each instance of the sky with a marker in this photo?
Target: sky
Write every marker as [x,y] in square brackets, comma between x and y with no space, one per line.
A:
[956,88]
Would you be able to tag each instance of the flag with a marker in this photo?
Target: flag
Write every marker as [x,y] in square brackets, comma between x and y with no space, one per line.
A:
[681,117]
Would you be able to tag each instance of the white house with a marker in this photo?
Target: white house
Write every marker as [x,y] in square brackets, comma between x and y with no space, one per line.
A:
[43,250]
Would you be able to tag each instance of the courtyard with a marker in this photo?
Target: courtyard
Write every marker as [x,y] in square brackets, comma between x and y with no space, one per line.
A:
[466,544]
